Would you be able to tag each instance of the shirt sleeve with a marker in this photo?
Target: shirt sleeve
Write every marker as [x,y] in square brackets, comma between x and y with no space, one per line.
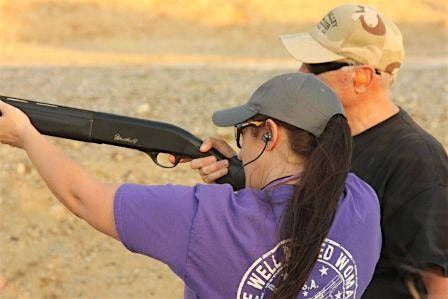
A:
[422,241]
[156,221]
[415,207]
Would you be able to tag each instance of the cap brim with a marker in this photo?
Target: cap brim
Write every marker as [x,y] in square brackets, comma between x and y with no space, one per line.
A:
[306,49]
[232,116]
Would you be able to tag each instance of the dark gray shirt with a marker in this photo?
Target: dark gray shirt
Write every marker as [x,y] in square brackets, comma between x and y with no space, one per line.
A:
[408,169]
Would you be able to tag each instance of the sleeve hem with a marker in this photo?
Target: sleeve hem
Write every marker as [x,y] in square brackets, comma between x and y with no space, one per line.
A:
[120,221]
[431,265]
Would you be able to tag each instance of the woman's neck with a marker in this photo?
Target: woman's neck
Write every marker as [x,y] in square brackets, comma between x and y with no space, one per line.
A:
[285,180]
[277,171]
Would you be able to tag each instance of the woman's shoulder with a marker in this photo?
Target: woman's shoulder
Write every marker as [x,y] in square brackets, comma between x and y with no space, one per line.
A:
[358,188]
[359,199]
[353,245]
[220,195]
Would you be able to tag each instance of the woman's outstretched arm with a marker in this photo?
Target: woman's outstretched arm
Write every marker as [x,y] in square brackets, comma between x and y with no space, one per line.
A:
[83,195]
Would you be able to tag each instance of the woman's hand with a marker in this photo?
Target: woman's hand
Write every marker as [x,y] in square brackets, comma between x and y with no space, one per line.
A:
[209,168]
[15,126]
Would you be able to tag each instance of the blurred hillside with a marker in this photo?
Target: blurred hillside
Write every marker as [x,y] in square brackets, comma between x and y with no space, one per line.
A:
[127,31]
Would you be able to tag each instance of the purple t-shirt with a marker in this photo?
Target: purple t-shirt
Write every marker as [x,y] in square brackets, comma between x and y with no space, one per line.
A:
[225,244]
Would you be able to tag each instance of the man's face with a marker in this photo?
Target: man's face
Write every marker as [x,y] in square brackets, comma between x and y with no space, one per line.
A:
[339,80]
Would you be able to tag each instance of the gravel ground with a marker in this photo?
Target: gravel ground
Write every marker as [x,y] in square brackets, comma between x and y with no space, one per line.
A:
[47,253]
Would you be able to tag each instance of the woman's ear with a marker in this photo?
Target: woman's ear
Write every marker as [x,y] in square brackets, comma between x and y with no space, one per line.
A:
[271,134]
[362,78]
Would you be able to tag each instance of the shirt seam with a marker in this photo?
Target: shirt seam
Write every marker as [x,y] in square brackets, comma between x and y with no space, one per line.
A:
[190,237]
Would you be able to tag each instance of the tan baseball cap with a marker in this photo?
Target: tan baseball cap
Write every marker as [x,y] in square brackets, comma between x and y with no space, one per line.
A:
[354,32]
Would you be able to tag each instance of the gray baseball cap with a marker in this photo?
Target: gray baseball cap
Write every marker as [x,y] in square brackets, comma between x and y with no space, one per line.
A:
[299,99]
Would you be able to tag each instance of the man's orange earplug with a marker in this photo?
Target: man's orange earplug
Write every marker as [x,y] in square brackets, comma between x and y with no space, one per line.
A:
[360,79]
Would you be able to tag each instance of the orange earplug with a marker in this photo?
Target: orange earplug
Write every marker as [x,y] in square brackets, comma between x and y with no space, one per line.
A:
[360,79]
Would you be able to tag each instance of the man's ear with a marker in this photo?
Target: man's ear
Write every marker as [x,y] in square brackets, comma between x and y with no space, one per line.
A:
[362,78]
[271,134]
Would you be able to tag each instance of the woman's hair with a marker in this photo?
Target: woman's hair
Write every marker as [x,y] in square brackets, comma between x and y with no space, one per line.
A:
[308,217]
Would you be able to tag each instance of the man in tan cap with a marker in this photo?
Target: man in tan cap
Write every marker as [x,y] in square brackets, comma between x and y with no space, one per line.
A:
[405,165]
[358,52]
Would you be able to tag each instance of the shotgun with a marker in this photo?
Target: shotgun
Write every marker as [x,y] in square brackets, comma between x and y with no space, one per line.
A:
[151,137]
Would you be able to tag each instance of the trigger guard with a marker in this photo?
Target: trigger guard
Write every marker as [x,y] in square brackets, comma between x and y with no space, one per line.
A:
[153,156]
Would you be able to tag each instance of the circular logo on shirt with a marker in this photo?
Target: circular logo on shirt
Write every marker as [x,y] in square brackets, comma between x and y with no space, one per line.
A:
[333,276]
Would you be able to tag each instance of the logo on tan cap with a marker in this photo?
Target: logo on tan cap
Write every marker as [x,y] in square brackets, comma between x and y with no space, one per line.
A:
[355,32]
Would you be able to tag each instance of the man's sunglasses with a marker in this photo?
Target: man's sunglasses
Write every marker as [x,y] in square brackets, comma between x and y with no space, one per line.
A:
[319,68]
[240,127]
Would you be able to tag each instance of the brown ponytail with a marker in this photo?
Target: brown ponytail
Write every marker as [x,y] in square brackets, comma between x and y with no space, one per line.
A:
[309,214]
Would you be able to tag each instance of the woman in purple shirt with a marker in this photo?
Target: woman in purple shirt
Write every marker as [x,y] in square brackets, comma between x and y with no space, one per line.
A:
[303,226]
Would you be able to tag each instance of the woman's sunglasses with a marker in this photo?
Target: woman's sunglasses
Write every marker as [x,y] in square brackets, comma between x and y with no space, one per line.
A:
[240,127]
